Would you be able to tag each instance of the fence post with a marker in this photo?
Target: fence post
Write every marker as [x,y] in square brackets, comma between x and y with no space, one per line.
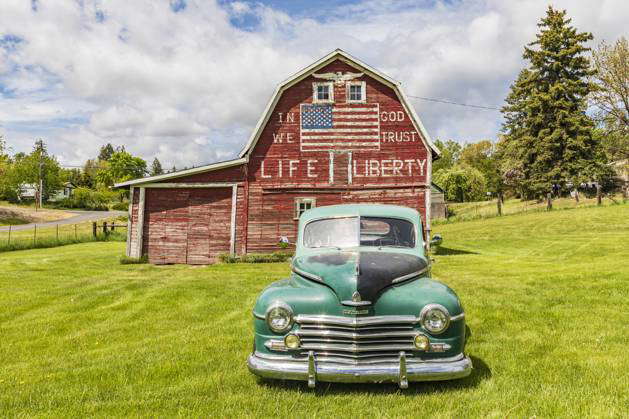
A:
[105,227]
[598,194]
[35,235]
[94,228]
[113,226]
[499,203]
[9,235]
[57,232]
[549,201]
[75,232]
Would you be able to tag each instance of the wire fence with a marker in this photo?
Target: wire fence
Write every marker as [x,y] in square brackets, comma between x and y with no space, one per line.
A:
[494,208]
[40,236]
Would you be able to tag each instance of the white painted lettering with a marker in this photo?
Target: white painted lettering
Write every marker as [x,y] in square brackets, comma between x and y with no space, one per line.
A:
[289,137]
[292,166]
[262,174]
[278,138]
[290,117]
[279,168]
[279,114]
[421,164]
[374,168]
[397,165]
[409,165]
[355,163]
[311,168]
[384,166]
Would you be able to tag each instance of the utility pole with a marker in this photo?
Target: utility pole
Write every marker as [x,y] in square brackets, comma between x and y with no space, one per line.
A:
[41,180]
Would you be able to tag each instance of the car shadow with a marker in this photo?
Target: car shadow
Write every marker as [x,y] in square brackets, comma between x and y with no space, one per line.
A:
[445,251]
[480,373]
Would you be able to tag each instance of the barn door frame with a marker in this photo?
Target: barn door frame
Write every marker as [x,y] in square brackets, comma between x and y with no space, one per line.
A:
[141,207]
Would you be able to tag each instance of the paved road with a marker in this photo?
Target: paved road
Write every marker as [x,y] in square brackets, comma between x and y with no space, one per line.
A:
[81,216]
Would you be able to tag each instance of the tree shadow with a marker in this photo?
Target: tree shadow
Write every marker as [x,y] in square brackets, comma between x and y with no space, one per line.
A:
[445,251]
[480,373]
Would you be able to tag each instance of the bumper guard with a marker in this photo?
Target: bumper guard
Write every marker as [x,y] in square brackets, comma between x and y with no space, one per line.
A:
[401,372]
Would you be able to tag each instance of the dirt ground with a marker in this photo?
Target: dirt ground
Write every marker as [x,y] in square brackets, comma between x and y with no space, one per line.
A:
[29,215]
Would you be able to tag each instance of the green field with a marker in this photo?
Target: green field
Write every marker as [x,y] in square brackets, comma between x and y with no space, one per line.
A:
[545,295]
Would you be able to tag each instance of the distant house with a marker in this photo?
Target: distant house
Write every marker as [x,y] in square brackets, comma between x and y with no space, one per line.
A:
[28,192]
[63,193]
[438,206]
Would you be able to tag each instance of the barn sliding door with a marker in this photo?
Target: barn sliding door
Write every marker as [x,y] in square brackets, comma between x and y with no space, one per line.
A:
[209,224]
[190,225]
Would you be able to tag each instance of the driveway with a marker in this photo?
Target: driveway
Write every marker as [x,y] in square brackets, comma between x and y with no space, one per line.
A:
[81,216]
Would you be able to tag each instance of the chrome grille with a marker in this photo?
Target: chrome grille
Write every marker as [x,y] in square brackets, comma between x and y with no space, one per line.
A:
[365,340]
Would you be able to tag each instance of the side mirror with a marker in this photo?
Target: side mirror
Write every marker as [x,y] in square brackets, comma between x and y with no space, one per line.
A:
[436,240]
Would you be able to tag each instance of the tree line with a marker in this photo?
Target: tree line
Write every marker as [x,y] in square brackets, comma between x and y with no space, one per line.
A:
[42,172]
[566,122]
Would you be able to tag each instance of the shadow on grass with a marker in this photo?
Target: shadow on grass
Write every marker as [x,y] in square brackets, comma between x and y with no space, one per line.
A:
[445,251]
[480,373]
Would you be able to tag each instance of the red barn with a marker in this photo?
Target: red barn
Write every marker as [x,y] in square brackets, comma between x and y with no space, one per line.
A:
[338,131]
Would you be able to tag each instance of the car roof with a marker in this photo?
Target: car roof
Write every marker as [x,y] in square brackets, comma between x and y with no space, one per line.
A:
[365,210]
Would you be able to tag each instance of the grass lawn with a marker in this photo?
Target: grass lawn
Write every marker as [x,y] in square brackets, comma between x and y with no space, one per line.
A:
[545,295]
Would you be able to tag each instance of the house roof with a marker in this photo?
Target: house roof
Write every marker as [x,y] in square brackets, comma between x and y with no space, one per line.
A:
[243,156]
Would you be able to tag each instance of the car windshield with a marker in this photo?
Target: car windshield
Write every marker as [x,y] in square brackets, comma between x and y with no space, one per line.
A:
[374,231]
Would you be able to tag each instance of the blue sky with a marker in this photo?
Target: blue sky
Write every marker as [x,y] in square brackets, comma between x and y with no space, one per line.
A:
[186,80]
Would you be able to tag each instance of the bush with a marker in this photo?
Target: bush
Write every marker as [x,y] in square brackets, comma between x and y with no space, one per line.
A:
[85,198]
[256,257]
[126,260]
[120,206]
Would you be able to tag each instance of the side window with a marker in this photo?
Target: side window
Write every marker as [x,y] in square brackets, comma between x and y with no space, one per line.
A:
[302,205]
[356,92]
[323,92]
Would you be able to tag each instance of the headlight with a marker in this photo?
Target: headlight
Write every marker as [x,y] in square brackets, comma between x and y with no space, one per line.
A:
[435,318]
[279,317]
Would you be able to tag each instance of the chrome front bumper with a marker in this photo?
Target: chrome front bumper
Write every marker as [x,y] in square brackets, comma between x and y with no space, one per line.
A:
[286,368]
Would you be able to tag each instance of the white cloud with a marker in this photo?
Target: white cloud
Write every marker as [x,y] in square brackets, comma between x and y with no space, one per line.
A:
[188,87]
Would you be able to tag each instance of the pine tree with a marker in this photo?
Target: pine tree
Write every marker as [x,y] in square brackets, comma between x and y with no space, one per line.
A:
[156,167]
[548,135]
[106,152]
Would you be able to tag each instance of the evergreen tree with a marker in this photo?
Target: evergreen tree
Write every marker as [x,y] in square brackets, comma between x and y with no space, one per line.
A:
[156,167]
[548,136]
[106,152]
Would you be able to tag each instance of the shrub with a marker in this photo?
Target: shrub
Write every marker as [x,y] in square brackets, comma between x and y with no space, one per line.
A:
[256,258]
[126,260]
[89,199]
[120,206]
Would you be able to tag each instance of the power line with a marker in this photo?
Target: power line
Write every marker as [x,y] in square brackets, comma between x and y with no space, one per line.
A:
[429,99]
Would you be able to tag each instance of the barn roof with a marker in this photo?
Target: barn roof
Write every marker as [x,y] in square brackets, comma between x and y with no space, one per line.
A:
[243,157]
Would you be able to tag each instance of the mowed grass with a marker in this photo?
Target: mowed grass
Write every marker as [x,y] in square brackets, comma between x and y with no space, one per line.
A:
[545,295]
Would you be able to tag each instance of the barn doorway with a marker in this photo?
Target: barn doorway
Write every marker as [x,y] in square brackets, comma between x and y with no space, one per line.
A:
[190,226]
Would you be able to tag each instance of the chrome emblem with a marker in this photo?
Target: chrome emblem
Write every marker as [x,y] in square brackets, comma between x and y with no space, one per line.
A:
[356,297]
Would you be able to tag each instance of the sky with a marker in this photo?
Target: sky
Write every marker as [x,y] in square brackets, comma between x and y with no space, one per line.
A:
[186,80]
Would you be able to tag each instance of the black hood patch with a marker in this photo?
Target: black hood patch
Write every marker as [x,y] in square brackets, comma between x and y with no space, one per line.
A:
[378,270]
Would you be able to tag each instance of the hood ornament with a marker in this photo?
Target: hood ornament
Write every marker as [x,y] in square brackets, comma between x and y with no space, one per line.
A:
[356,298]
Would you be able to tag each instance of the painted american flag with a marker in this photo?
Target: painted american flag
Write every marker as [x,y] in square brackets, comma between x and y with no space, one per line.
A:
[340,127]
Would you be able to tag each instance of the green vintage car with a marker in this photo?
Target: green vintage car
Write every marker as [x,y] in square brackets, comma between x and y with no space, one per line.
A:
[360,305]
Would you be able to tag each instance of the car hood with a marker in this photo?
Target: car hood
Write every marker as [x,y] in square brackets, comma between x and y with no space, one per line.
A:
[367,272]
